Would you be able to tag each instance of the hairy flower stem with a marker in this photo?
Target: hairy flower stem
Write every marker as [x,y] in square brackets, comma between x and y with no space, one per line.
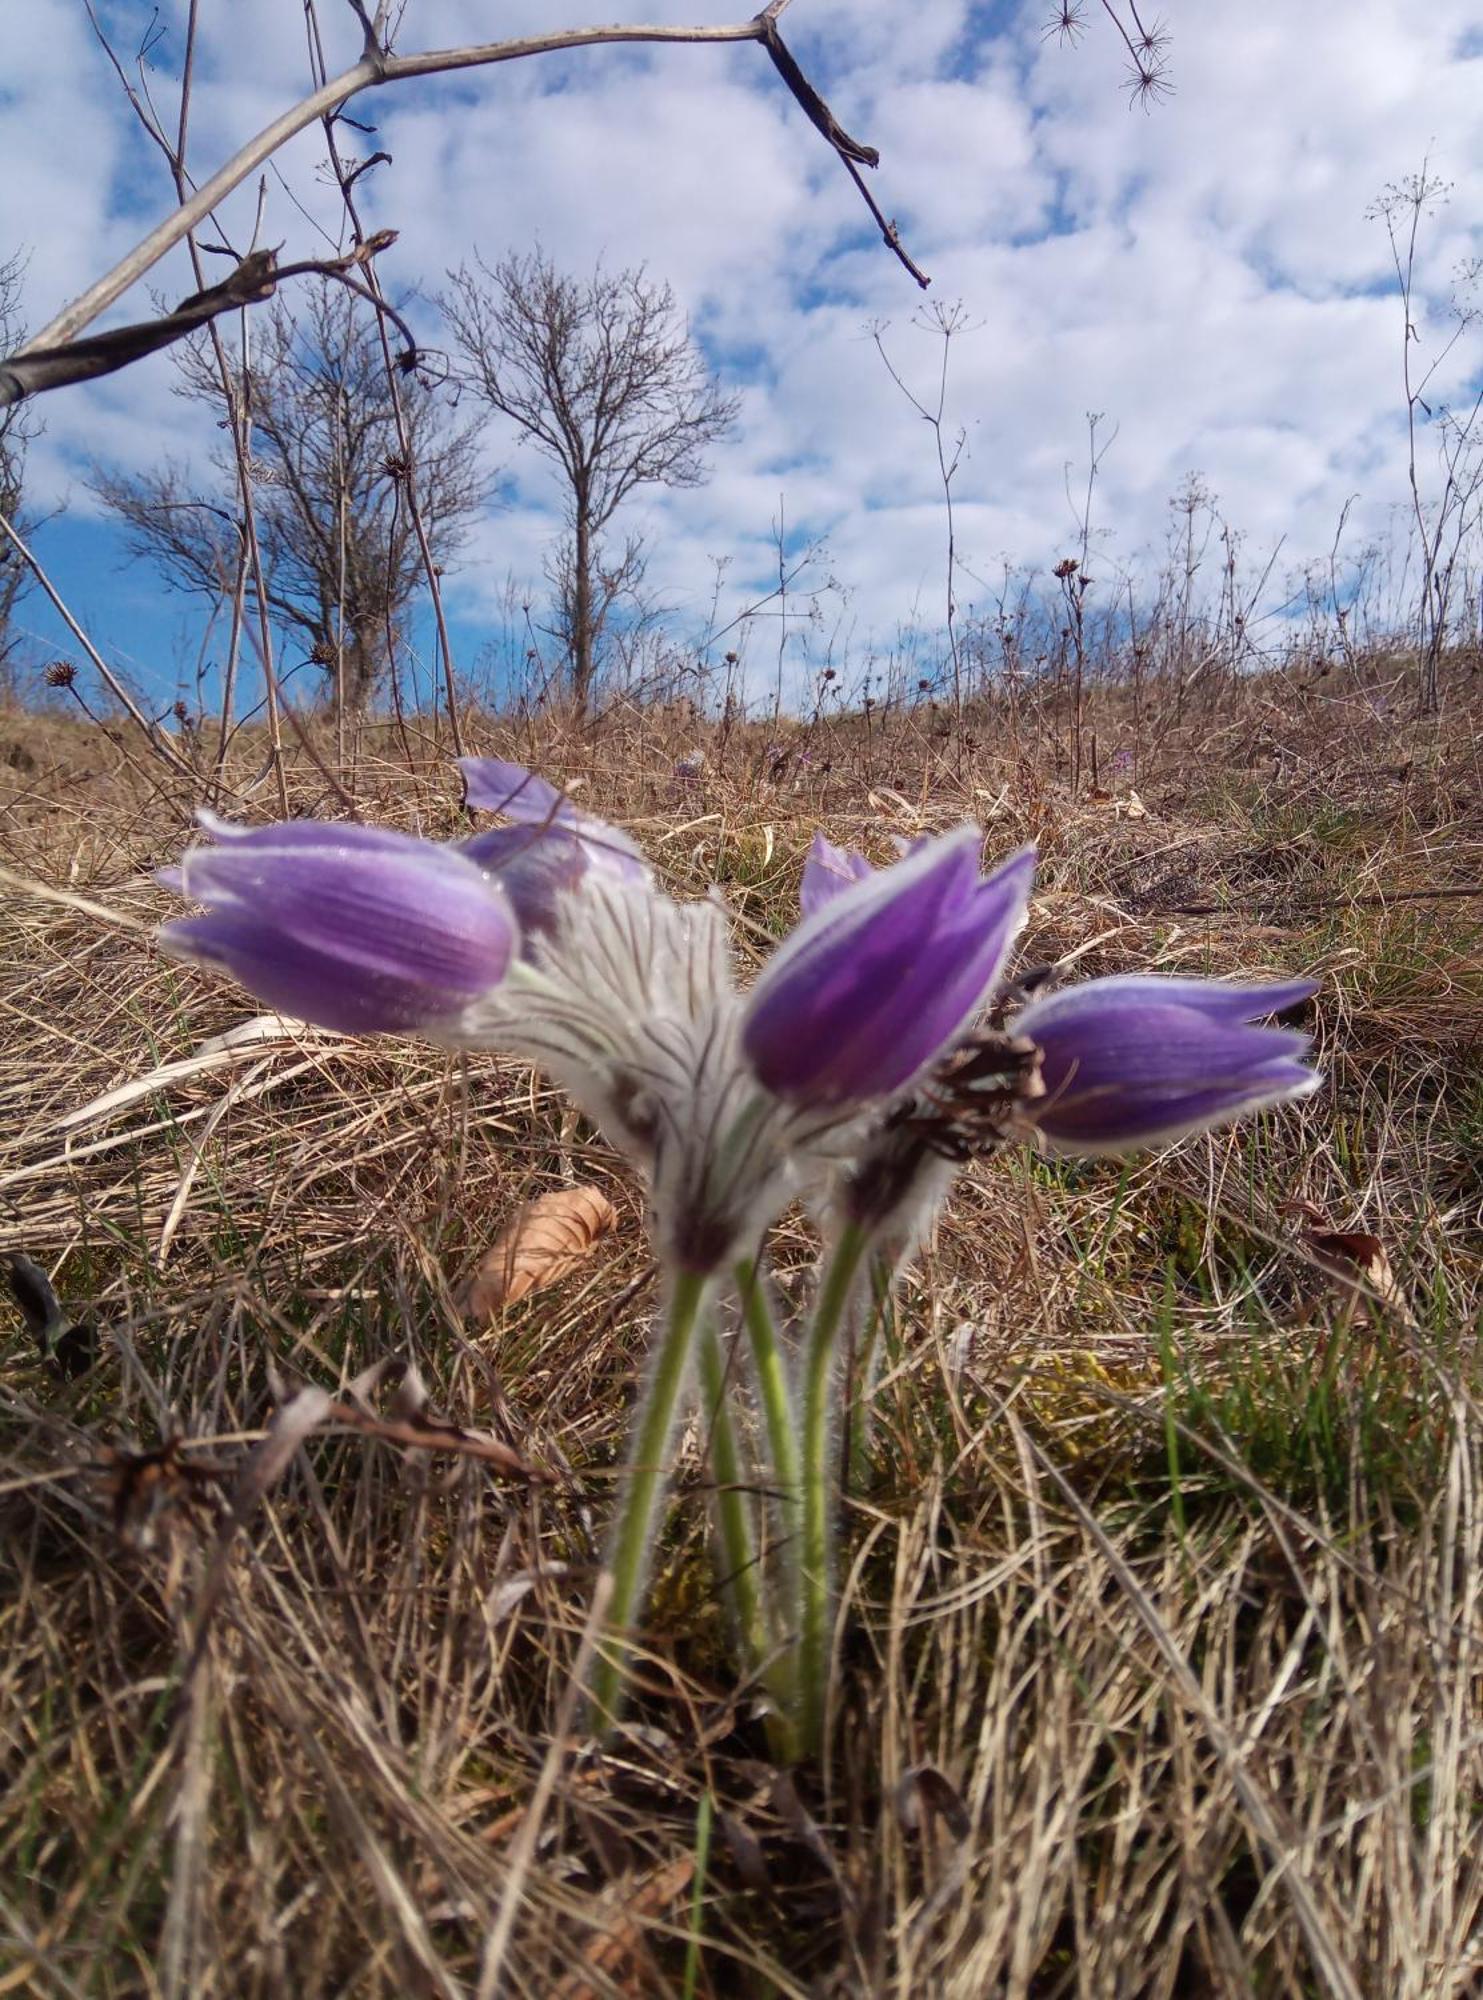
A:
[857,1404]
[818,1489]
[643,1489]
[738,1564]
[775,1394]
[773,1388]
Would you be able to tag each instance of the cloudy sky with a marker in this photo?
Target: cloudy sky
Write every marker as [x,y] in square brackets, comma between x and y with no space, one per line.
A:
[1203,272]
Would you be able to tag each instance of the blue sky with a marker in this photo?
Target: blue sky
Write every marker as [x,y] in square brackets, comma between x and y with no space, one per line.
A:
[1204,274]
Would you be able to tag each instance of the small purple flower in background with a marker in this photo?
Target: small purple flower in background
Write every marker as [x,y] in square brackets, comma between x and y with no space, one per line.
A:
[1143,1061]
[828,871]
[552,847]
[1122,764]
[353,927]
[879,978]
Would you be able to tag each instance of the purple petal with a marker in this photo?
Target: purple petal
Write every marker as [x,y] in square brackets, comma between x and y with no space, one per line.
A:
[828,871]
[354,927]
[293,978]
[871,987]
[492,785]
[429,906]
[534,868]
[1218,999]
[346,835]
[1124,1066]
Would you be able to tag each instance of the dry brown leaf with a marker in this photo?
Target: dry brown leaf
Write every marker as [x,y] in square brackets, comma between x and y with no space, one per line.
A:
[543,1242]
[1356,1262]
[617,1951]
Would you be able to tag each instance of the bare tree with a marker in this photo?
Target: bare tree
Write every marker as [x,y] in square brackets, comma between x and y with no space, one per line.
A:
[602,376]
[340,556]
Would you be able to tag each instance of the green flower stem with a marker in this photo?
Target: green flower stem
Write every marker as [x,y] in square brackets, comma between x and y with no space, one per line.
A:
[733,1523]
[772,1386]
[643,1489]
[857,1402]
[818,1396]
[775,1395]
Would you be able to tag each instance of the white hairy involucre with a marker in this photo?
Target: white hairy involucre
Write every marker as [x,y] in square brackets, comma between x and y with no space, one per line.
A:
[631,1006]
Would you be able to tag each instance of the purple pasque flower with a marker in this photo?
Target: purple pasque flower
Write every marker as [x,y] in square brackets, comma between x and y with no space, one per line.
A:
[633,1011]
[881,977]
[1143,1060]
[353,927]
[550,850]
[828,871]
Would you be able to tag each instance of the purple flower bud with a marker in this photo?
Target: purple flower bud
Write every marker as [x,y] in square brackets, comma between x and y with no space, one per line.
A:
[827,872]
[881,977]
[354,927]
[1143,1061]
[549,850]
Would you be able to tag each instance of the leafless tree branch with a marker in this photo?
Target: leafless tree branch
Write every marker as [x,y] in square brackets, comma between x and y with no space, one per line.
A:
[378,66]
[36,369]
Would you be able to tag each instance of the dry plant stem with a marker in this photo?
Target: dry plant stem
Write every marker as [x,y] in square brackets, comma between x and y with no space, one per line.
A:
[1282,1845]
[376,67]
[643,1489]
[373,69]
[100,665]
[346,181]
[816,1611]
[522,1852]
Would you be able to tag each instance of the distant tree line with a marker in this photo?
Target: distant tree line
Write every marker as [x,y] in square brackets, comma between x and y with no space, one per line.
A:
[600,374]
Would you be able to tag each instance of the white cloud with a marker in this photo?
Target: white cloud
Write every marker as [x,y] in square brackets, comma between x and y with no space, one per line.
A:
[1203,274]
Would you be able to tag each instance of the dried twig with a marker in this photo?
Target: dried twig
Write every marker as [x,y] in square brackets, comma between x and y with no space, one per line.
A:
[36,369]
[376,67]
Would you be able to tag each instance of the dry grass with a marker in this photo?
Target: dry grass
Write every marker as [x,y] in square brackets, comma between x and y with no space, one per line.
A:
[1167,1648]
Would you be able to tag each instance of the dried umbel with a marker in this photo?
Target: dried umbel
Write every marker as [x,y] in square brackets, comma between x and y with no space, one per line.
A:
[878,1050]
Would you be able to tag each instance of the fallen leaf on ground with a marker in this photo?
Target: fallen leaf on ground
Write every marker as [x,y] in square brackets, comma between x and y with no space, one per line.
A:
[1356,1262]
[618,1950]
[541,1244]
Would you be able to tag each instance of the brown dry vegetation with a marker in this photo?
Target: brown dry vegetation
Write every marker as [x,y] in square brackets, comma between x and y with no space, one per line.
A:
[1166,1648]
